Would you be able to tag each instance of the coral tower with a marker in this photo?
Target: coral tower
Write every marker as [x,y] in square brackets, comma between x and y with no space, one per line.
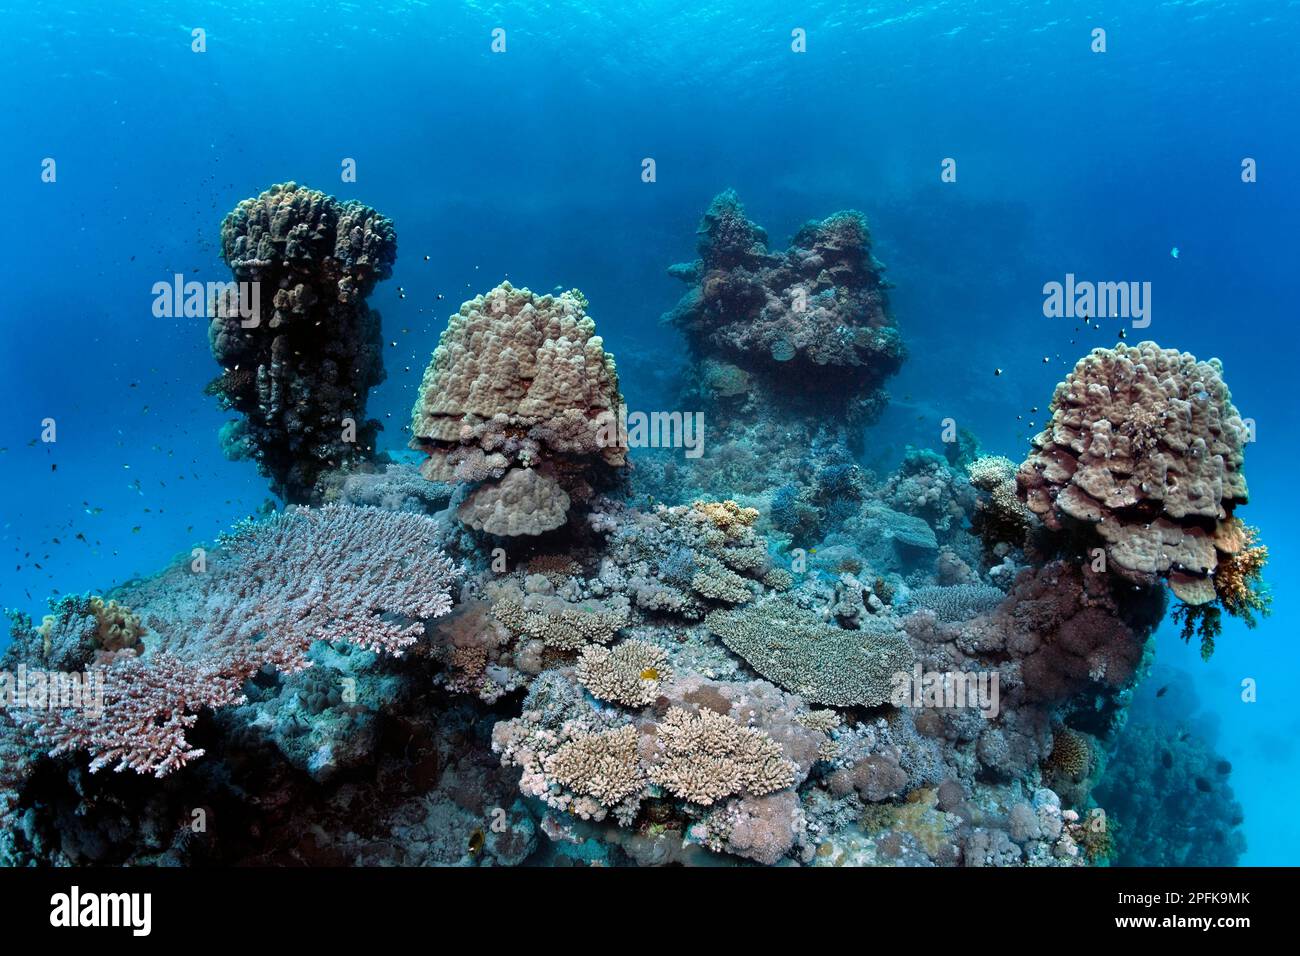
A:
[516,402]
[300,359]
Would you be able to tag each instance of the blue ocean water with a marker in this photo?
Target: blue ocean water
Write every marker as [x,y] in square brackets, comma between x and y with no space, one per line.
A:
[528,165]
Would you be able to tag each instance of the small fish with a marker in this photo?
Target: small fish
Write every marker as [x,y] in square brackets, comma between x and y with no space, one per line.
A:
[1167,759]
[1203,785]
[997,371]
[1174,252]
[476,841]
[1123,334]
[1162,691]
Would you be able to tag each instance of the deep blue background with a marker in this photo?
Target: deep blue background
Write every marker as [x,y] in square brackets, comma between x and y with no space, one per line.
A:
[527,165]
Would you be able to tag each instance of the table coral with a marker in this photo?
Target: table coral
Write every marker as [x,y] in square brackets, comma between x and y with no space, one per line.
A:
[820,662]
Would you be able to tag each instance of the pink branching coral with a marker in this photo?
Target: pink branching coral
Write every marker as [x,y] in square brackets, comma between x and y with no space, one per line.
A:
[360,575]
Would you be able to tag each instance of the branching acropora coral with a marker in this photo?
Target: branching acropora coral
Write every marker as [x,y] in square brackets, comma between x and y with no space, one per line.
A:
[338,573]
[629,674]
[706,756]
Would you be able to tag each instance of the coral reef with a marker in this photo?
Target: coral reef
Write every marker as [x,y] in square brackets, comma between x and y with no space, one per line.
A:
[299,347]
[767,656]
[1170,800]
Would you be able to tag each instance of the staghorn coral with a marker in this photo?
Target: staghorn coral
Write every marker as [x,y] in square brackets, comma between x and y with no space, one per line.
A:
[521,399]
[338,573]
[299,369]
[818,661]
[629,674]
[1145,448]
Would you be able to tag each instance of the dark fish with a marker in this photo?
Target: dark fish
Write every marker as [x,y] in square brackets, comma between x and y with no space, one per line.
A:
[1223,767]
[476,840]
[1162,691]
[1203,785]
[1166,759]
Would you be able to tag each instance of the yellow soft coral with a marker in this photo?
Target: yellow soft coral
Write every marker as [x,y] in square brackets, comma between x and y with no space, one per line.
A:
[727,516]
[1238,580]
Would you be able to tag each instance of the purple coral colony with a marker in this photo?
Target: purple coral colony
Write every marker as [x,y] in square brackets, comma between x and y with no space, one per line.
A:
[533,640]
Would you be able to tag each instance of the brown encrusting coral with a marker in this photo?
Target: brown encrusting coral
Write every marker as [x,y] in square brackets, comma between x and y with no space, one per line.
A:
[299,346]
